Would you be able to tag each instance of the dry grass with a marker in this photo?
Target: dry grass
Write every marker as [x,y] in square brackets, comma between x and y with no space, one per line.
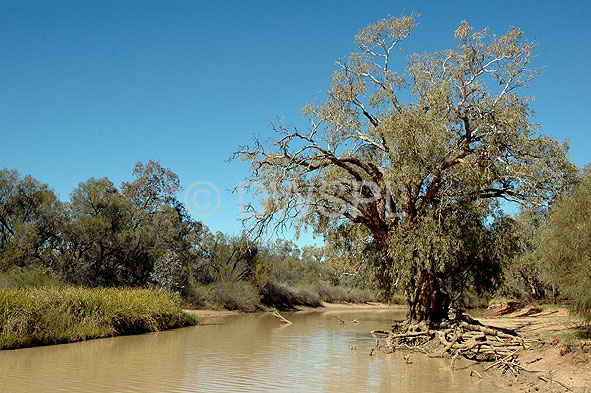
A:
[52,315]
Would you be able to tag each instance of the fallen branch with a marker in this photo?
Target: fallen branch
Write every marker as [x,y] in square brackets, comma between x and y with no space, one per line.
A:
[281,317]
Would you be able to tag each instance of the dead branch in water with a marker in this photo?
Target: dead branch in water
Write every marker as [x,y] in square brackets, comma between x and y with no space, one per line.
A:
[281,317]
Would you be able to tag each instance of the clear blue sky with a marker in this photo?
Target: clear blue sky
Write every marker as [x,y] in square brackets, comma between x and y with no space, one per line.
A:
[88,88]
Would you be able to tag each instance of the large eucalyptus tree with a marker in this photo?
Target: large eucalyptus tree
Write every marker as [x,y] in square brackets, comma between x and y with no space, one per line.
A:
[407,159]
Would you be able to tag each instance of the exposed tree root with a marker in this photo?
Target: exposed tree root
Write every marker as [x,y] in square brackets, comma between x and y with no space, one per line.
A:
[461,336]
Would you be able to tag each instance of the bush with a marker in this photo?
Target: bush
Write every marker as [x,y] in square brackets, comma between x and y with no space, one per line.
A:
[398,299]
[31,277]
[229,295]
[284,297]
[52,315]
[565,247]
[276,295]
[168,273]
[341,294]
[306,297]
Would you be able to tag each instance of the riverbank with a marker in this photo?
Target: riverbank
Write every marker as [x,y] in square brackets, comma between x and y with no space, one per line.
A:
[324,307]
[560,362]
[54,315]
[559,359]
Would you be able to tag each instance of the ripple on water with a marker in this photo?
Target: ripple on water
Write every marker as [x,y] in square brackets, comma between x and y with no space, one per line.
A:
[241,353]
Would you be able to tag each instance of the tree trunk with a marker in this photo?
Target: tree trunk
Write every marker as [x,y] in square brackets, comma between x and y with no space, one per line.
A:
[430,303]
[554,292]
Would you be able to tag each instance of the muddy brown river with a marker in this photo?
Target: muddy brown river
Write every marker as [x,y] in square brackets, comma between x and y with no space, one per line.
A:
[239,353]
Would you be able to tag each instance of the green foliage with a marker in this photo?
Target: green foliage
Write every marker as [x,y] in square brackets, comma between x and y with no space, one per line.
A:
[466,251]
[103,236]
[30,221]
[525,276]
[228,295]
[306,296]
[276,295]
[565,246]
[117,238]
[283,262]
[139,235]
[235,273]
[154,187]
[416,182]
[51,315]
[342,294]
[168,273]
[29,278]
[224,258]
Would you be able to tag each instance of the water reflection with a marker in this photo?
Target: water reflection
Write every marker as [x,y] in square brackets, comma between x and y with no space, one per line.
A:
[237,354]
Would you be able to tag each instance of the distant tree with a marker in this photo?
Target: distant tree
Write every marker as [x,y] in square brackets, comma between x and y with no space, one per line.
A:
[31,217]
[282,261]
[154,195]
[118,238]
[225,258]
[406,172]
[102,246]
[565,246]
[525,275]
[154,186]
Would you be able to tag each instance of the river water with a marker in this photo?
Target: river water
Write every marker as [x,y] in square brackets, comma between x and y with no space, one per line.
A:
[239,353]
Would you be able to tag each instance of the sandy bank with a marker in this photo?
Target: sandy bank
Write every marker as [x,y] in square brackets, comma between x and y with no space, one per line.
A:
[326,307]
[552,365]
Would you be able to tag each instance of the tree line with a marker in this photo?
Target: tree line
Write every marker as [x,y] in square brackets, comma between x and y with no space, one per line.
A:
[139,234]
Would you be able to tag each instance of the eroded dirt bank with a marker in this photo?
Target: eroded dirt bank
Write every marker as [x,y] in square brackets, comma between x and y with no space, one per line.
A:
[555,364]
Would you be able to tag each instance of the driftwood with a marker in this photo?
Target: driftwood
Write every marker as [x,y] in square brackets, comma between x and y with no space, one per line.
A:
[281,317]
[461,336]
[551,380]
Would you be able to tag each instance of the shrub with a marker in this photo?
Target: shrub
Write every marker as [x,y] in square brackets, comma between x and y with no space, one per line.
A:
[276,295]
[306,297]
[229,295]
[30,277]
[168,273]
[341,294]
[565,247]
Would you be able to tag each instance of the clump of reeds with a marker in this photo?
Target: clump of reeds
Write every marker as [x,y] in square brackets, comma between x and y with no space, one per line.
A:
[52,315]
